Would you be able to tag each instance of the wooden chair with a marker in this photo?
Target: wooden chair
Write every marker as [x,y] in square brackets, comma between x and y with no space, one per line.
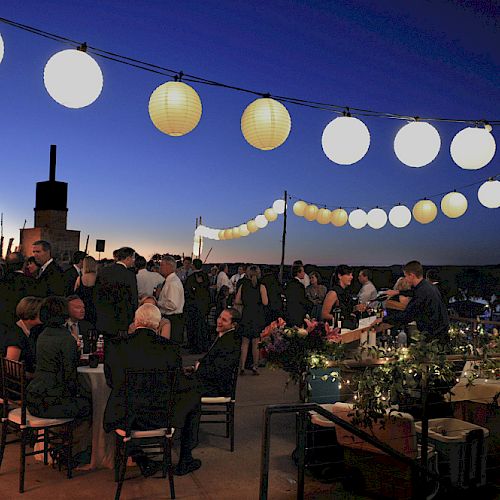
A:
[18,418]
[222,405]
[147,383]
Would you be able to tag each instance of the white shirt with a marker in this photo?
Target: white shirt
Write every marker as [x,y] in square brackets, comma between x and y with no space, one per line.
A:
[223,280]
[235,278]
[305,280]
[368,293]
[42,269]
[171,299]
[147,281]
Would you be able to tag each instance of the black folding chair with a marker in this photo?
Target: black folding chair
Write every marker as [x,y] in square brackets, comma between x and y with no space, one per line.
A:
[222,405]
[156,389]
[57,432]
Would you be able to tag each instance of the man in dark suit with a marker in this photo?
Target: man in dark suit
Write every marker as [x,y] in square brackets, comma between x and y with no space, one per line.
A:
[297,304]
[116,294]
[50,279]
[76,323]
[72,273]
[145,349]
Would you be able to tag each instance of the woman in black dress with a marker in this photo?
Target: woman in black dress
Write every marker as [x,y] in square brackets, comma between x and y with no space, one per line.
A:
[252,295]
[85,288]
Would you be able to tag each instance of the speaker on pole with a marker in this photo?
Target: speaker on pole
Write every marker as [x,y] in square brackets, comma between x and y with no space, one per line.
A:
[99,245]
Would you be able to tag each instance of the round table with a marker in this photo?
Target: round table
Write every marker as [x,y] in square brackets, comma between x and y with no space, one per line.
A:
[103,444]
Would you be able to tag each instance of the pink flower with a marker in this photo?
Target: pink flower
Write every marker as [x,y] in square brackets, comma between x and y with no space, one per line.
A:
[332,334]
[310,325]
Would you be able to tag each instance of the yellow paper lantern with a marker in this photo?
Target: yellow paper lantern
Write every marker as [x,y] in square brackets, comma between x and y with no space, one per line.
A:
[299,208]
[222,235]
[175,108]
[252,226]
[265,124]
[339,217]
[270,214]
[424,211]
[323,216]
[243,230]
[228,234]
[236,233]
[311,212]
[454,205]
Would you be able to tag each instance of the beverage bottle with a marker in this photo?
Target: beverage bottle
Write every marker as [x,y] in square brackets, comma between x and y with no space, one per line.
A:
[80,344]
[402,339]
[100,347]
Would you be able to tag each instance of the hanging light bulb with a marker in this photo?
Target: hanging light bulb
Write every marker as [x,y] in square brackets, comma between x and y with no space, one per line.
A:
[310,212]
[265,123]
[270,214]
[1,48]
[339,217]
[376,218]
[261,221]
[400,216]
[417,144]
[323,216]
[345,140]
[252,226]
[299,208]
[279,206]
[358,218]
[73,78]
[473,148]
[454,205]
[489,194]
[424,211]
[175,108]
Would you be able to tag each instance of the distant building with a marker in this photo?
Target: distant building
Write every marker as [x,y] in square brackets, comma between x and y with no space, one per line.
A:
[51,215]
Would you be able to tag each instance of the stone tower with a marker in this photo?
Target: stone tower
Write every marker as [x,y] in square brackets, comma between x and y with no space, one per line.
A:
[51,215]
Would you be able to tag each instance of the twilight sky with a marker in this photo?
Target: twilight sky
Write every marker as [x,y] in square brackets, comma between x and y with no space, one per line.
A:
[132,185]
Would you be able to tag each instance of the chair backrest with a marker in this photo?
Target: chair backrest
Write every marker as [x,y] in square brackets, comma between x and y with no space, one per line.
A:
[13,386]
[149,393]
[234,381]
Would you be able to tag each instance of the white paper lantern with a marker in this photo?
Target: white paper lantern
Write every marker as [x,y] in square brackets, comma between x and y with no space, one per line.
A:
[358,218]
[345,140]
[454,205]
[299,208]
[489,194]
[399,216]
[473,148]
[175,108]
[244,230]
[261,221]
[417,144]
[73,78]
[323,216]
[1,48]
[376,218]
[265,124]
[310,212]
[252,226]
[270,214]
[339,217]
[279,206]
[424,211]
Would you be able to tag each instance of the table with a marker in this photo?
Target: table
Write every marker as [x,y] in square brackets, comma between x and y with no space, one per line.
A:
[103,444]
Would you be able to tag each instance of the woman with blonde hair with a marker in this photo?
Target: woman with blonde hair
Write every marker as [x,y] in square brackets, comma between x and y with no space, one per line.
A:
[85,287]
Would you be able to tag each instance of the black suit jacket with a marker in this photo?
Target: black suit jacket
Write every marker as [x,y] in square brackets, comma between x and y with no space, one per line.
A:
[142,350]
[51,281]
[13,288]
[297,304]
[115,299]
[70,276]
[217,366]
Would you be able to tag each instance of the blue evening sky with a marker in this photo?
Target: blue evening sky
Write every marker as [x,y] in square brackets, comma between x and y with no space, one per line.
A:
[132,185]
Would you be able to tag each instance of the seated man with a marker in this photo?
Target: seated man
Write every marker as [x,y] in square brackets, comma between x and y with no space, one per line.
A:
[76,323]
[145,349]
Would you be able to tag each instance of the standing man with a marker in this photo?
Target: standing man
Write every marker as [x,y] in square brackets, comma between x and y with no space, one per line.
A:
[368,292]
[116,294]
[50,280]
[147,281]
[185,270]
[171,299]
[75,271]
[297,304]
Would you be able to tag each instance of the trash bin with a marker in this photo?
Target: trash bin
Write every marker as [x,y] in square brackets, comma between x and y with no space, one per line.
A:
[462,449]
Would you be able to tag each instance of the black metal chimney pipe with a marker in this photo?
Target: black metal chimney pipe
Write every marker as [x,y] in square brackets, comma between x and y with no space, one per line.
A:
[53,154]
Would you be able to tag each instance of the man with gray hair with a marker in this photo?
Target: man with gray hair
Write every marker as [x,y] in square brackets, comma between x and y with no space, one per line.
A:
[171,299]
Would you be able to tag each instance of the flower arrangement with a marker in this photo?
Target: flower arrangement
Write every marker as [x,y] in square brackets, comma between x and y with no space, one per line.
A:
[297,350]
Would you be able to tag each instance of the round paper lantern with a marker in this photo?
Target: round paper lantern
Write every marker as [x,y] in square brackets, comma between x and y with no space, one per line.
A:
[424,211]
[222,235]
[261,221]
[270,214]
[175,108]
[1,48]
[345,140]
[73,78]
[417,144]
[279,206]
[358,218]
[252,226]
[323,216]
[236,232]
[473,148]
[489,194]
[265,123]
[244,230]
[454,205]
[228,234]
[338,217]
[400,216]
[376,218]
[299,208]
[310,212]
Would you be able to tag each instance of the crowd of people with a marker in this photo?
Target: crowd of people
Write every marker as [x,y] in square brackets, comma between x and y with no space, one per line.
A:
[148,311]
